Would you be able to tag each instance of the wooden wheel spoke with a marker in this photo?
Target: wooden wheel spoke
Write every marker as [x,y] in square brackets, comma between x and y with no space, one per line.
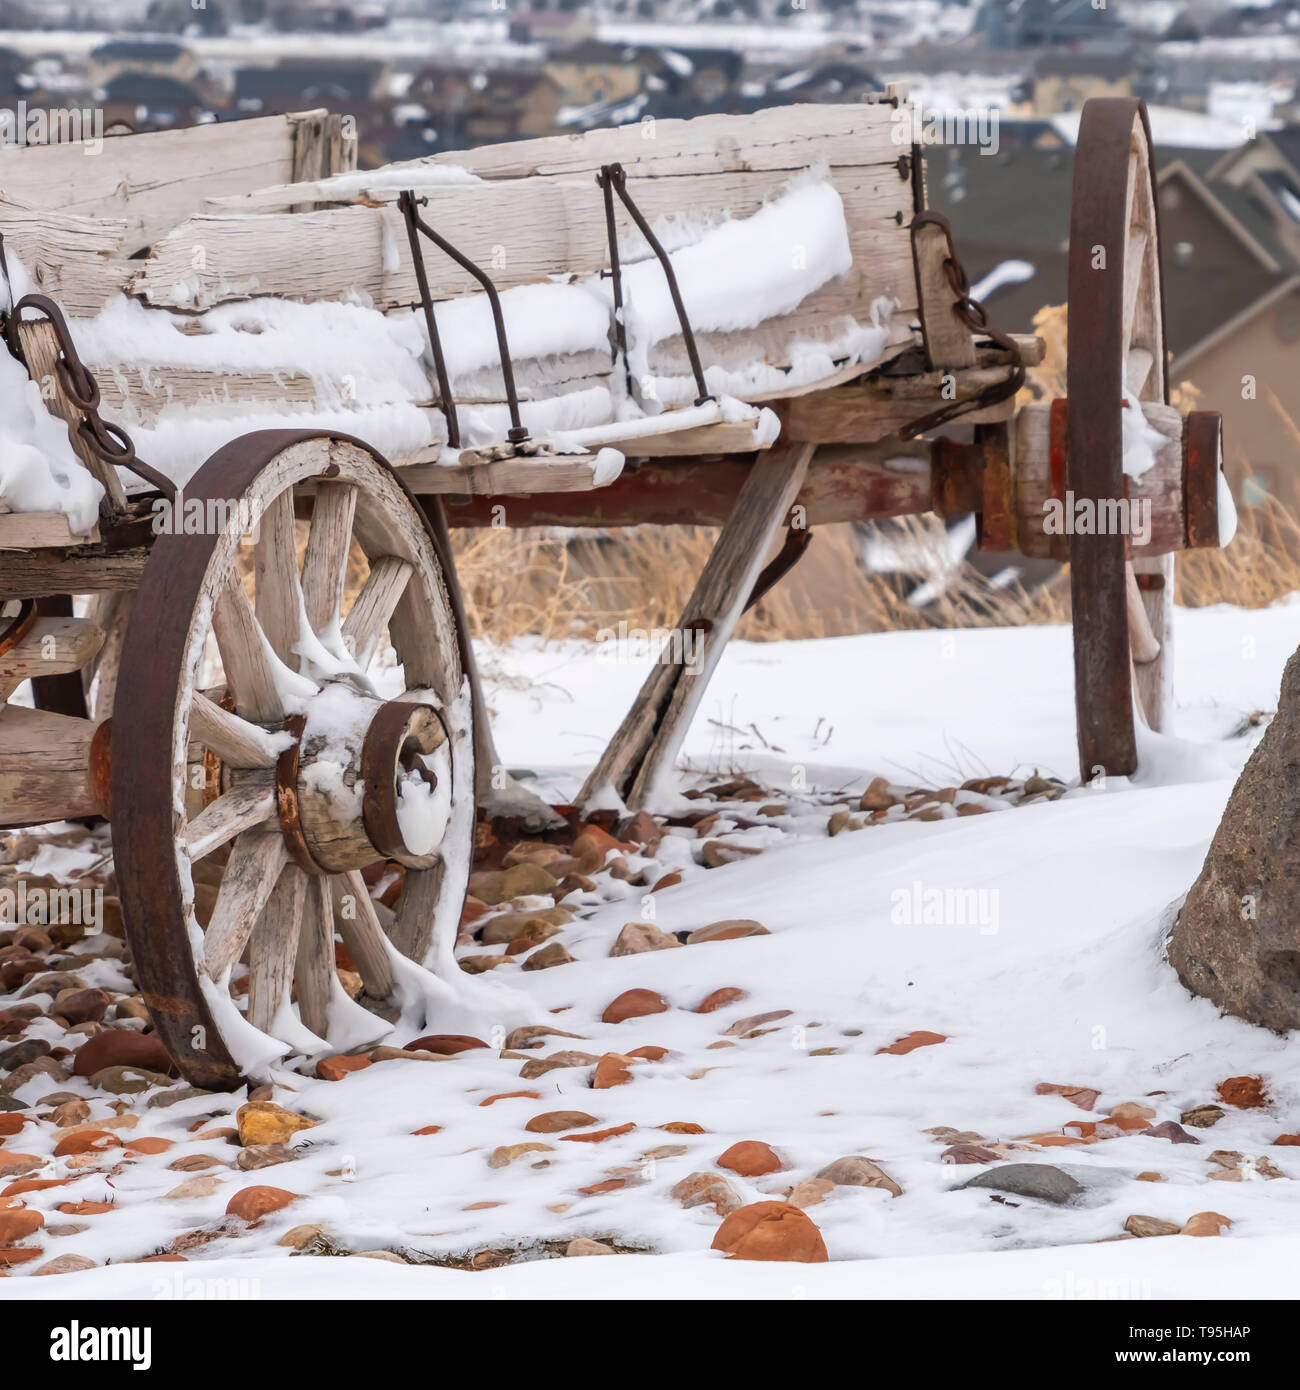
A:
[229,815]
[1137,370]
[1135,267]
[328,544]
[358,925]
[279,604]
[234,740]
[244,654]
[375,605]
[255,864]
[314,971]
[274,948]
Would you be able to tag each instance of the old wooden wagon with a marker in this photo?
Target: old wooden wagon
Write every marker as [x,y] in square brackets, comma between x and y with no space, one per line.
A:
[751,322]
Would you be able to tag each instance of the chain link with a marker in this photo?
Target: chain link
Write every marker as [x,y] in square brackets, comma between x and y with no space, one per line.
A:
[975,317]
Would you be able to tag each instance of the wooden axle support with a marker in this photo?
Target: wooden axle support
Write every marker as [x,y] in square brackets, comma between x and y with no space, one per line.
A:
[1006,475]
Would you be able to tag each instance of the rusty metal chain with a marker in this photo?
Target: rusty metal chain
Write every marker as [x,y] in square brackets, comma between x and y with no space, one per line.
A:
[975,317]
[109,442]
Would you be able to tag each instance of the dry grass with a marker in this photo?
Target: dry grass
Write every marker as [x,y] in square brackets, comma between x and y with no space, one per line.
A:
[534,583]
[552,585]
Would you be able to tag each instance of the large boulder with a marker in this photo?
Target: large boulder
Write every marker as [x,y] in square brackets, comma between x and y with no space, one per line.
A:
[1236,940]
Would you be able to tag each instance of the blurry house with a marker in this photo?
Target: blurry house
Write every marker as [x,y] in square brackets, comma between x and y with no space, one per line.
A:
[551,26]
[149,101]
[1231,280]
[1269,170]
[592,72]
[151,57]
[1048,23]
[301,85]
[479,105]
[828,83]
[1064,81]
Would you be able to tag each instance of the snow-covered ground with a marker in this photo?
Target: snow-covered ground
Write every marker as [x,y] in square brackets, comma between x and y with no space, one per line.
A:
[1058,977]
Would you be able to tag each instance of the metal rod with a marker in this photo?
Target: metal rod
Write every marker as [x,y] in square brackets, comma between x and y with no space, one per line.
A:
[616,175]
[406,202]
[615,274]
[517,433]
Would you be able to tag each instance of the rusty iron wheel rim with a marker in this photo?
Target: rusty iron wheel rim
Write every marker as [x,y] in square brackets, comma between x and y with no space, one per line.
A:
[152,738]
[1114,133]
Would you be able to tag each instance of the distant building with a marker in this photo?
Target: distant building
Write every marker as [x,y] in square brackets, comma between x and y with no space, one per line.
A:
[1064,81]
[591,72]
[470,106]
[299,86]
[147,101]
[551,26]
[1231,258]
[1048,24]
[156,57]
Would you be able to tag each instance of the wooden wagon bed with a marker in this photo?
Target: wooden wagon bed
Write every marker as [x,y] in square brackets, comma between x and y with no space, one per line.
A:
[749,322]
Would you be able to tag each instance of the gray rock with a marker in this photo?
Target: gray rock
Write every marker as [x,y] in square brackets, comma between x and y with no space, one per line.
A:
[174,1094]
[128,1080]
[20,1076]
[1236,940]
[855,1171]
[1039,1180]
[12,1103]
[26,1051]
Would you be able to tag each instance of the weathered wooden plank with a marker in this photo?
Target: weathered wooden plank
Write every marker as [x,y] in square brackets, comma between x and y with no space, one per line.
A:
[538,473]
[78,261]
[92,570]
[34,529]
[521,231]
[150,182]
[781,140]
[948,341]
[651,734]
[857,482]
[50,647]
[784,137]
[44,759]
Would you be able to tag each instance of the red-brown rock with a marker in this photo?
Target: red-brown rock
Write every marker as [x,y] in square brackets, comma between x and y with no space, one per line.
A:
[1082,1096]
[148,1144]
[650,1052]
[87,1141]
[336,1068]
[597,1136]
[611,1070]
[1244,1092]
[251,1204]
[120,1047]
[512,1095]
[720,998]
[553,1121]
[448,1044]
[1286,1139]
[751,1159]
[83,1006]
[902,1046]
[634,1003]
[771,1231]
[19,1254]
[18,1224]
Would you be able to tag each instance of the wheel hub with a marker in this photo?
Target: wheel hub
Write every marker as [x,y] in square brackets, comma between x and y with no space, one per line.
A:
[365,780]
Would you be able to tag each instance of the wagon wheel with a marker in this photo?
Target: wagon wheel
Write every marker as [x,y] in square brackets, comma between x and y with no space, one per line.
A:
[1115,351]
[254,729]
